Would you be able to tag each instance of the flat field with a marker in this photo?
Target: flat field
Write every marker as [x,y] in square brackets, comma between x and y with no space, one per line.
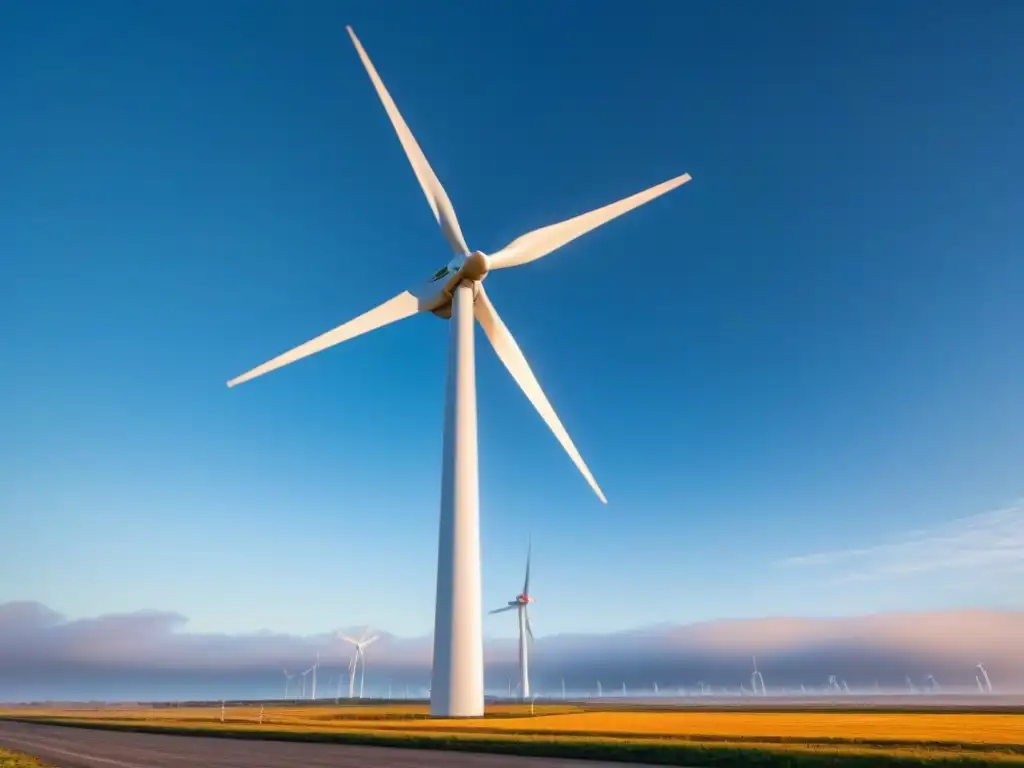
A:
[666,737]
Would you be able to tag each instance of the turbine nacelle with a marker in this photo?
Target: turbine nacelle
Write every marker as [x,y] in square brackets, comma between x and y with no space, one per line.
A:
[473,267]
[522,600]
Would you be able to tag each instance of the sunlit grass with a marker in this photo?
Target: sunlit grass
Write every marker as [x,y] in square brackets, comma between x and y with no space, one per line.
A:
[10,759]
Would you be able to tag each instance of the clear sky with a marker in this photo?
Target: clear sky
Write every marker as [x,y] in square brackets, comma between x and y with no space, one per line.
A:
[815,345]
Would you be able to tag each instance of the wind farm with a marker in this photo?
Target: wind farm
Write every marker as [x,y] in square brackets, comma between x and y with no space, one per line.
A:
[796,381]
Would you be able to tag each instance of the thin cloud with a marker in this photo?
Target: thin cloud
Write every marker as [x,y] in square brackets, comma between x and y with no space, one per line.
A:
[988,543]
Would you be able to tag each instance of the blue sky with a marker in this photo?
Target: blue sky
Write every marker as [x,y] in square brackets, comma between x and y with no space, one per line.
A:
[813,346]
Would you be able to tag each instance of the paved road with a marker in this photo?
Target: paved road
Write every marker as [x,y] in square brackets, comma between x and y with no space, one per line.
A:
[66,747]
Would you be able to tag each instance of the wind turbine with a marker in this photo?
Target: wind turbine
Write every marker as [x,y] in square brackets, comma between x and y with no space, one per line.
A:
[287,682]
[316,666]
[358,660]
[984,673]
[756,678]
[456,291]
[525,629]
[306,672]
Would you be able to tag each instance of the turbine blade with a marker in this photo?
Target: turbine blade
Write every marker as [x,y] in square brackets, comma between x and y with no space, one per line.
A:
[398,308]
[370,640]
[529,626]
[502,610]
[435,194]
[526,582]
[346,637]
[510,354]
[540,242]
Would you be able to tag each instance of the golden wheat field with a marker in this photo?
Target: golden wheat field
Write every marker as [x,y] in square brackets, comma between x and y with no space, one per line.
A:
[512,720]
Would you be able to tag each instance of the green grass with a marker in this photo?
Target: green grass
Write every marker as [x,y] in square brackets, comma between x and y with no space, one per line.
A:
[657,751]
[10,759]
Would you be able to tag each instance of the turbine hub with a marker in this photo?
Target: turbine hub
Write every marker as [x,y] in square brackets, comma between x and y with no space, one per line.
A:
[475,266]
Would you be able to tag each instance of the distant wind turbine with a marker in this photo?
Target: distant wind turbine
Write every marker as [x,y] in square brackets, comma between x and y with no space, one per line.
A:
[984,673]
[304,673]
[756,680]
[933,684]
[520,605]
[316,667]
[358,660]
[287,680]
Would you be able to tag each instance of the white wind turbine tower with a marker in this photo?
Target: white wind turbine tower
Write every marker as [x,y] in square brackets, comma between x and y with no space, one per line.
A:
[316,667]
[520,605]
[303,674]
[756,680]
[287,682]
[456,291]
[984,673]
[358,660]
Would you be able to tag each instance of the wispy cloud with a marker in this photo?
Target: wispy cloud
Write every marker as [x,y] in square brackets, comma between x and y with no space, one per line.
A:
[989,543]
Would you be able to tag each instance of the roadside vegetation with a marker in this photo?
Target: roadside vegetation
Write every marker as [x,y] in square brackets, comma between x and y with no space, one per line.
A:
[10,759]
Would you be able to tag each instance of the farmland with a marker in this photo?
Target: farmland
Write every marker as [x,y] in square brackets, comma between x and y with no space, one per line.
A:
[666,737]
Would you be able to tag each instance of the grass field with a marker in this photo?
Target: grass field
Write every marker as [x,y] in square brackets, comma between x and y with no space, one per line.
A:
[10,759]
[672,737]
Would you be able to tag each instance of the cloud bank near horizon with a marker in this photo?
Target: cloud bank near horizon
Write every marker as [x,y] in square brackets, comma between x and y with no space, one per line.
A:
[37,641]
